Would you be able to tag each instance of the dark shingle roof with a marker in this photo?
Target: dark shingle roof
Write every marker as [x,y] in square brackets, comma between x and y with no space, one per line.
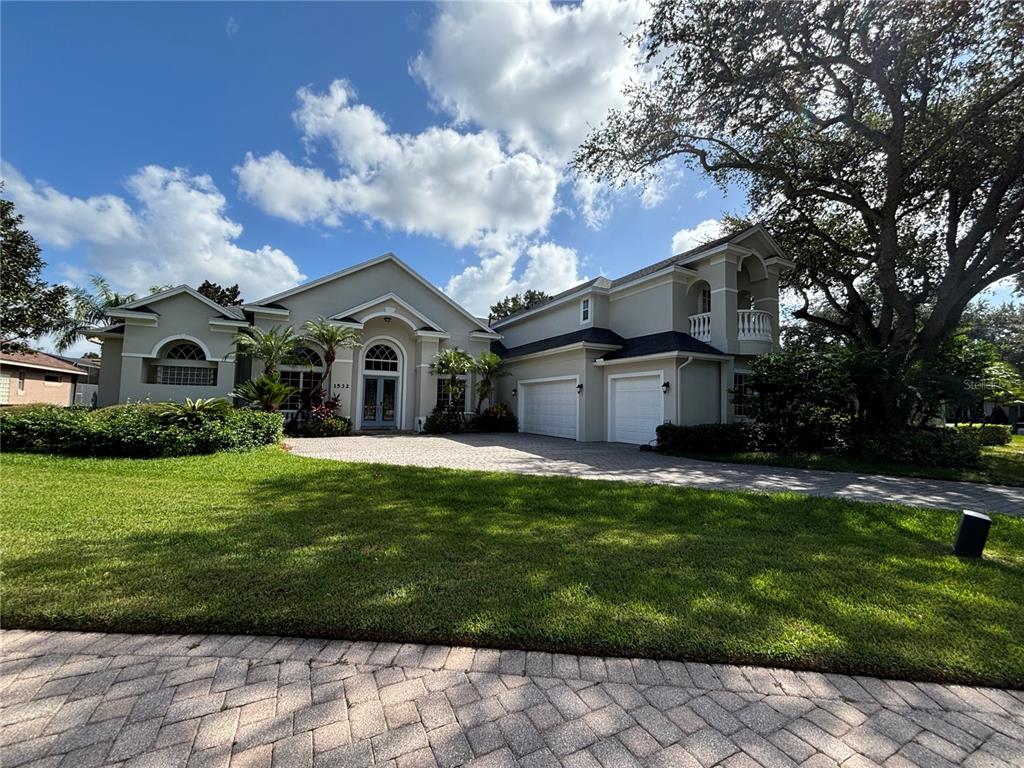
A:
[655,343]
[587,335]
[233,313]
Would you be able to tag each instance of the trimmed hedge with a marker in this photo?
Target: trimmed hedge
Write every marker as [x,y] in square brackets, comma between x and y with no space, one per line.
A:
[332,426]
[135,430]
[496,418]
[931,447]
[988,434]
[707,438]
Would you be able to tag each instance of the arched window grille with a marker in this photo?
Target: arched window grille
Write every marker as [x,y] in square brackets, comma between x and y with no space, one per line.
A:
[381,357]
[183,363]
[308,357]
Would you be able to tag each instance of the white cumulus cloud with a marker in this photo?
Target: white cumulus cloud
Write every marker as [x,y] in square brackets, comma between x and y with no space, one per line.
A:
[685,239]
[176,231]
[540,74]
[456,186]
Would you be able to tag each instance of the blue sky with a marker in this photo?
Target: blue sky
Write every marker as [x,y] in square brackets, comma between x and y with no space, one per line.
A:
[261,143]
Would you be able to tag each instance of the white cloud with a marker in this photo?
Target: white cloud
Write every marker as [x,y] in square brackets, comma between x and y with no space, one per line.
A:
[541,75]
[457,186]
[176,232]
[685,239]
[231,28]
[549,267]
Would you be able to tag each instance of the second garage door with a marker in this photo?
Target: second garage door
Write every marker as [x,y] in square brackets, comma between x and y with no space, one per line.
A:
[637,408]
[549,407]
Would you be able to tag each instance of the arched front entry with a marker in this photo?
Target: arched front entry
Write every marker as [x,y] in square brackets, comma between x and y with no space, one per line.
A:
[380,386]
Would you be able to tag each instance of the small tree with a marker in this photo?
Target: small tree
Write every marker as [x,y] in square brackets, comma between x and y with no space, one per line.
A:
[29,307]
[487,367]
[510,305]
[275,346]
[452,363]
[89,309]
[266,392]
[330,337]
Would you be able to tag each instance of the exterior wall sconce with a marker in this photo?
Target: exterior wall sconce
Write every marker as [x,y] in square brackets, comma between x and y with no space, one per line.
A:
[664,387]
[514,390]
[579,389]
[387,320]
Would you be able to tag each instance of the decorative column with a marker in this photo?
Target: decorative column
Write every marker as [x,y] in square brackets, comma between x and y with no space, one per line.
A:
[426,384]
[722,279]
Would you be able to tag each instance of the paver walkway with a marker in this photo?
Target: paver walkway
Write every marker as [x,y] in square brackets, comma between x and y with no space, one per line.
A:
[532,454]
[166,701]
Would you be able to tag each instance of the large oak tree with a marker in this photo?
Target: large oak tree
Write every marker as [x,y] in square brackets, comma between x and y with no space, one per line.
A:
[881,142]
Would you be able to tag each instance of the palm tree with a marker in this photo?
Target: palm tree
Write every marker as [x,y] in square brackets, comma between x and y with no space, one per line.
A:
[330,337]
[89,309]
[274,347]
[452,363]
[487,367]
[267,392]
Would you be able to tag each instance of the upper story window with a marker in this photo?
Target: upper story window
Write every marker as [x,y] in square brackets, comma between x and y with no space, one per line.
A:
[380,357]
[705,300]
[585,311]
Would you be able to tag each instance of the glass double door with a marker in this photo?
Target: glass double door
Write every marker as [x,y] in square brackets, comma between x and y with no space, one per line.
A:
[380,401]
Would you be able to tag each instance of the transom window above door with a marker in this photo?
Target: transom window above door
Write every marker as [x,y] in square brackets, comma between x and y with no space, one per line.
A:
[380,357]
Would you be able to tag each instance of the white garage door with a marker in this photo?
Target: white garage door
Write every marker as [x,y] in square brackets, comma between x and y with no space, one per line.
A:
[637,408]
[549,408]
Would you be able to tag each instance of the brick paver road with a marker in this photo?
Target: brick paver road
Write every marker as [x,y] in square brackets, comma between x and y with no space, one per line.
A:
[166,701]
[532,454]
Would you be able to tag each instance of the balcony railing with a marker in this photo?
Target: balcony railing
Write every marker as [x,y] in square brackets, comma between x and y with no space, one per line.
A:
[751,325]
[700,326]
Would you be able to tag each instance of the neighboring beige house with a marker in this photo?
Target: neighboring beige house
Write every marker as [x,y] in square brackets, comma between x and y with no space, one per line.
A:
[35,377]
[606,360]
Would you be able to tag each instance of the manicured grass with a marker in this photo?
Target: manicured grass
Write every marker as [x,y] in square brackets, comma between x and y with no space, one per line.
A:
[272,543]
[1000,465]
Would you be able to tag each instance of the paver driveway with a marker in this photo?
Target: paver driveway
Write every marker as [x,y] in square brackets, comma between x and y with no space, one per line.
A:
[532,454]
[81,699]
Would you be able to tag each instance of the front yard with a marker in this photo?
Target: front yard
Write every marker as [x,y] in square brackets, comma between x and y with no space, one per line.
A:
[1000,464]
[271,543]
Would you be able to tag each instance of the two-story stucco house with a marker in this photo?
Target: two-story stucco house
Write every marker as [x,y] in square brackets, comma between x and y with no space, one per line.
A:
[606,360]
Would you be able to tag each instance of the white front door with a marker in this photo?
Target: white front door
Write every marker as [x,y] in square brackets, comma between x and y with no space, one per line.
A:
[549,407]
[637,407]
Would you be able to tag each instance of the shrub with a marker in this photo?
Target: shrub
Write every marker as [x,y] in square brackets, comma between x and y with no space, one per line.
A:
[988,434]
[923,446]
[801,399]
[707,438]
[327,426]
[443,421]
[496,418]
[135,430]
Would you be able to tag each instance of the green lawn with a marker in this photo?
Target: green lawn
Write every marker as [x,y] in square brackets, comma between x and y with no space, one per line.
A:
[272,543]
[1000,465]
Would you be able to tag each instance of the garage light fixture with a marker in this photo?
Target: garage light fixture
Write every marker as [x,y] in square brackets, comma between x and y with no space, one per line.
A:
[664,387]
[514,390]
[579,389]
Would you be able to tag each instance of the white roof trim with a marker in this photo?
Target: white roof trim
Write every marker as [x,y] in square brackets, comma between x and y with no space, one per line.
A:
[354,311]
[35,366]
[256,309]
[161,295]
[482,335]
[365,265]
[585,291]
[601,362]
[564,348]
[148,318]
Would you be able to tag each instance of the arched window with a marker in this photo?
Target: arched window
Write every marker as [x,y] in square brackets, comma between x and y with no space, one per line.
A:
[381,357]
[308,357]
[183,363]
[184,350]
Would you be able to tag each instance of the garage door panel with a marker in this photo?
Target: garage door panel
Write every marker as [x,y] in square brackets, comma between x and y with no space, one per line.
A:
[550,408]
[637,408]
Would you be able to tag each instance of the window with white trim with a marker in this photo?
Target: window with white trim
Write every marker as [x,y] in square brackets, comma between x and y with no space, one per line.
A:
[705,300]
[21,382]
[446,398]
[741,394]
[585,311]
[305,375]
[183,364]
[381,357]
